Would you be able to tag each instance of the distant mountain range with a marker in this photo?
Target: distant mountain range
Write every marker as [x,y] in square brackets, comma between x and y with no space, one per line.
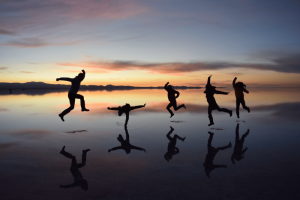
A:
[42,85]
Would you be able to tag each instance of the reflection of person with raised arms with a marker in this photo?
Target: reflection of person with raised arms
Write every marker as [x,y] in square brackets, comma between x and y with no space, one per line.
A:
[172,149]
[238,152]
[78,178]
[172,98]
[212,104]
[239,89]
[126,109]
[125,144]
[72,95]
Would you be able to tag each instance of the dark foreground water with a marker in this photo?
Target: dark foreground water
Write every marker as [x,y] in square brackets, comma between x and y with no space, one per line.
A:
[263,162]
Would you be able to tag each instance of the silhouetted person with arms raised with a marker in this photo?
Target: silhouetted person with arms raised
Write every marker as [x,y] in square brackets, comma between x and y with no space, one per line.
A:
[238,152]
[125,144]
[78,178]
[239,89]
[172,149]
[172,98]
[73,93]
[211,153]
[126,109]
[212,104]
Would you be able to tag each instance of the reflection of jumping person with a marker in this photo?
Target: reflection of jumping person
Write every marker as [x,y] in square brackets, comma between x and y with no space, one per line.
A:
[125,144]
[172,98]
[238,147]
[239,88]
[172,150]
[126,109]
[211,153]
[78,178]
[73,93]
[212,104]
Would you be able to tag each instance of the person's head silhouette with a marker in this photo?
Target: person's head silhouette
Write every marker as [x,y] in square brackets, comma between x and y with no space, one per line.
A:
[81,76]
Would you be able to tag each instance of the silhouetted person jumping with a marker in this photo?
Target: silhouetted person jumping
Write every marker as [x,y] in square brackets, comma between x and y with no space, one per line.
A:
[172,149]
[239,89]
[172,98]
[126,109]
[78,178]
[211,153]
[73,93]
[125,144]
[238,147]
[212,104]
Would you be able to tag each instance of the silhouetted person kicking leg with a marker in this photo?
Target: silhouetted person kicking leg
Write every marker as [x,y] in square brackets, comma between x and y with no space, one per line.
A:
[238,152]
[212,104]
[172,98]
[172,149]
[78,178]
[239,89]
[73,93]
[126,109]
[211,153]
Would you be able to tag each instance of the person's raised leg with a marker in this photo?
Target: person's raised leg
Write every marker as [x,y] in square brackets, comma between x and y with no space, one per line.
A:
[66,111]
[225,147]
[177,108]
[169,134]
[170,111]
[83,158]
[82,102]
[178,137]
[225,110]
[244,105]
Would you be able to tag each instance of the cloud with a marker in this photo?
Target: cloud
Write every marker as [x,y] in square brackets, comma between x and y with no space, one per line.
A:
[26,72]
[3,68]
[5,32]
[287,64]
[3,109]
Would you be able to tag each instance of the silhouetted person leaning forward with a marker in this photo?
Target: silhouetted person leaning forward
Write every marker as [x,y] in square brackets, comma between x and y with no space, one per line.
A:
[126,109]
[125,144]
[239,89]
[172,149]
[73,93]
[212,104]
[172,98]
[238,152]
[78,178]
[211,153]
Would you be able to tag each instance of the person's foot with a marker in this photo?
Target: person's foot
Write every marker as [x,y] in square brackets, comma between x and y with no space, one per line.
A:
[229,144]
[210,133]
[171,128]
[63,149]
[184,106]
[211,123]
[238,116]
[84,109]
[230,113]
[62,117]
[248,110]
[85,151]
[171,115]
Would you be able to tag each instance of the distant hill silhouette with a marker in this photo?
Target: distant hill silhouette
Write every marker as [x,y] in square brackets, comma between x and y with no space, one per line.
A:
[42,85]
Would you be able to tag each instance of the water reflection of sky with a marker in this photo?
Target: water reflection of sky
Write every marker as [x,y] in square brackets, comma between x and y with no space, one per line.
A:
[32,135]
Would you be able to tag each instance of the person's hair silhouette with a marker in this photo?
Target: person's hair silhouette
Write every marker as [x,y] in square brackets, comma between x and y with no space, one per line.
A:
[172,98]
[238,152]
[126,109]
[211,153]
[212,104]
[239,89]
[125,144]
[78,178]
[172,149]
[73,93]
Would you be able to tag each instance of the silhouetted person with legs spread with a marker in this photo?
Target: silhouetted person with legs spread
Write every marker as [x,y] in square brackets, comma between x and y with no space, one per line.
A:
[172,98]
[238,147]
[239,89]
[212,104]
[125,144]
[73,93]
[172,149]
[126,109]
[78,178]
[211,153]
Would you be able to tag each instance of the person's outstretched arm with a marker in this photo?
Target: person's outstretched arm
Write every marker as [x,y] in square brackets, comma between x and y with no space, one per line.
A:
[115,148]
[136,107]
[220,92]
[83,74]
[137,148]
[208,80]
[176,151]
[109,108]
[233,82]
[166,86]
[68,186]
[232,159]
[220,166]
[177,93]
[64,79]
[245,90]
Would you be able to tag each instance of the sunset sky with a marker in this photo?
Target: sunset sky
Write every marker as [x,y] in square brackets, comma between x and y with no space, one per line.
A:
[150,42]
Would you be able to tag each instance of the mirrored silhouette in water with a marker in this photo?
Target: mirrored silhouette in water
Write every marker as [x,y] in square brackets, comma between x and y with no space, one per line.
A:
[238,152]
[210,156]
[10,91]
[72,95]
[212,104]
[78,178]
[239,89]
[172,98]
[172,149]
[125,144]
[126,109]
